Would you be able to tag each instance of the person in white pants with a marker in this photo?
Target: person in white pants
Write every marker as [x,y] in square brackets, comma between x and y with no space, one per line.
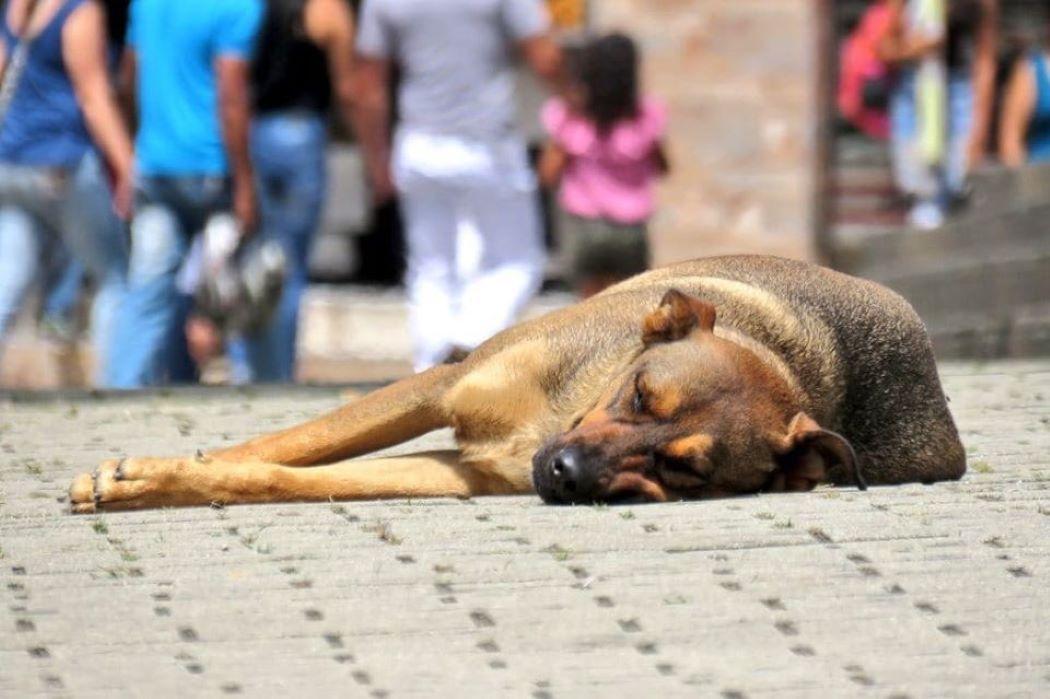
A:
[451,188]
[457,160]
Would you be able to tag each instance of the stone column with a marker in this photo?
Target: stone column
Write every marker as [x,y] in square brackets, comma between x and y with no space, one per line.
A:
[743,82]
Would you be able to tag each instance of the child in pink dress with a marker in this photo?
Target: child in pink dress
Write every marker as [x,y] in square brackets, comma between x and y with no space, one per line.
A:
[605,153]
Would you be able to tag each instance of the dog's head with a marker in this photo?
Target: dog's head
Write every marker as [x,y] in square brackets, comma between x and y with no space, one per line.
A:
[694,416]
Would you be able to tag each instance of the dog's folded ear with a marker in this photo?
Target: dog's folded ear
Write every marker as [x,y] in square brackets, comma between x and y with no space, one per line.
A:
[806,455]
[678,315]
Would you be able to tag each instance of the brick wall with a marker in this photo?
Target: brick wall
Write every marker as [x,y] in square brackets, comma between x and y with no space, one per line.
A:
[741,78]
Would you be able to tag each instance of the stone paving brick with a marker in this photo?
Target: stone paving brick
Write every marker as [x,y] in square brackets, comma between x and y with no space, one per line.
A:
[907,591]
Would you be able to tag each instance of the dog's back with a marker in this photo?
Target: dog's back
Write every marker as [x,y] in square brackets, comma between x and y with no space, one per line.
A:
[859,352]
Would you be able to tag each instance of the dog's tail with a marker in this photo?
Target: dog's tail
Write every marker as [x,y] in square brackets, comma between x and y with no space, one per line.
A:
[391,415]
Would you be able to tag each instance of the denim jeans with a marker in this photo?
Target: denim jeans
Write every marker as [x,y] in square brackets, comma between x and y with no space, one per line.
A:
[940,183]
[40,219]
[288,151]
[63,290]
[150,336]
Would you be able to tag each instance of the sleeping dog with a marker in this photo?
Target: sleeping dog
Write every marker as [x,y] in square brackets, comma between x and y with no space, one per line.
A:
[703,379]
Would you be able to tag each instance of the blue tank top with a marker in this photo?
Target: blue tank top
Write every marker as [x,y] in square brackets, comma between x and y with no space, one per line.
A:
[43,125]
[1038,137]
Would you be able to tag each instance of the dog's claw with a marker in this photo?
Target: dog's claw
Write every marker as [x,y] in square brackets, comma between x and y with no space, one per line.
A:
[94,486]
[122,484]
[81,494]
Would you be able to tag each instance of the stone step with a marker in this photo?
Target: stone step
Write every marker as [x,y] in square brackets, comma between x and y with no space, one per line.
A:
[999,190]
[32,361]
[860,150]
[1022,332]
[981,283]
[849,235]
[845,179]
[347,334]
[868,217]
[872,208]
[878,252]
[989,287]
[372,324]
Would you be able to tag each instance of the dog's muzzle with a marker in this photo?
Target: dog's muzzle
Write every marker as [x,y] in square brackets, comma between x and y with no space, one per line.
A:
[562,476]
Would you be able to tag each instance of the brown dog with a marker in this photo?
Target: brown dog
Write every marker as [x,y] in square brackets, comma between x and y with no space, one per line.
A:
[703,379]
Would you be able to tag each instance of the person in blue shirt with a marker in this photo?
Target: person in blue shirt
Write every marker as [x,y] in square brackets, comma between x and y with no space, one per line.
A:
[189,63]
[302,71]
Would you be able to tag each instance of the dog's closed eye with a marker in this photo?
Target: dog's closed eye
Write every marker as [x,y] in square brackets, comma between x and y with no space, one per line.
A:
[639,397]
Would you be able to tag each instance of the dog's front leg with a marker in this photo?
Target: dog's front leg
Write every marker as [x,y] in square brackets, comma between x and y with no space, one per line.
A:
[391,415]
[128,484]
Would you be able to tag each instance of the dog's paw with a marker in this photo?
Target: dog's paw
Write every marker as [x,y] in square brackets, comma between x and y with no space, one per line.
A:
[82,494]
[121,484]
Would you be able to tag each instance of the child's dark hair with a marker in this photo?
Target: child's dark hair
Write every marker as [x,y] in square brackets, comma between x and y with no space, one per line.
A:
[608,69]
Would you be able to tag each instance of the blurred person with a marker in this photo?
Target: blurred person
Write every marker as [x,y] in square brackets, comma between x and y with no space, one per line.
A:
[940,110]
[102,247]
[303,63]
[457,157]
[57,99]
[104,242]
[189,65]
[1024,125]
[865,80]
[605,153]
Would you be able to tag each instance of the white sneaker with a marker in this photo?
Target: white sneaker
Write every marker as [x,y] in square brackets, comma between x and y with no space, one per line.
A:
[925,216]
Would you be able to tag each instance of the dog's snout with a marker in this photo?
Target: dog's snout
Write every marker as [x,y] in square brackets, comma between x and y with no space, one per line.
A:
[565,468]
[567,477]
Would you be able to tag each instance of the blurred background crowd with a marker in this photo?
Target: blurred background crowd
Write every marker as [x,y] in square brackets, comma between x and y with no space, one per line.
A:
[934,80]
[174,175]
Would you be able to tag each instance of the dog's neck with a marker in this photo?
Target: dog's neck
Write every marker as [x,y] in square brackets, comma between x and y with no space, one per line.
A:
[770,359]
[798,345]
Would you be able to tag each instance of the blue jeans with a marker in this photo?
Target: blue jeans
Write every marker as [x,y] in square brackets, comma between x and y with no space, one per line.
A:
[35,223]
[948,179]
[63,289]
[150,338]
[288,150]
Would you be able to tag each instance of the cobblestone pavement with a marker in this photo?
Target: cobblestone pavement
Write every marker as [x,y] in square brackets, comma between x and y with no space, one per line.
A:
[909,591]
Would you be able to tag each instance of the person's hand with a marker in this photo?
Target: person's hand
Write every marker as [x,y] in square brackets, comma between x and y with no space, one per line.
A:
[123,195]
[921,44]
[245,208]
[575,96]
[203,339]
[382,182]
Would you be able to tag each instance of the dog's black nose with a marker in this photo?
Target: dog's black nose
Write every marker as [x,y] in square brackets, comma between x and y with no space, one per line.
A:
[568,480]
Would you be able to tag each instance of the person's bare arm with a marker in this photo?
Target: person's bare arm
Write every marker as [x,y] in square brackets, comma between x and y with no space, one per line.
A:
[235,117]
[372,106]
[544,57]
[663,162]
[984,80]
[552,164]
[330,25]
[1018,106]
[898,45]
[127,75]
[84,48]
[888,46]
